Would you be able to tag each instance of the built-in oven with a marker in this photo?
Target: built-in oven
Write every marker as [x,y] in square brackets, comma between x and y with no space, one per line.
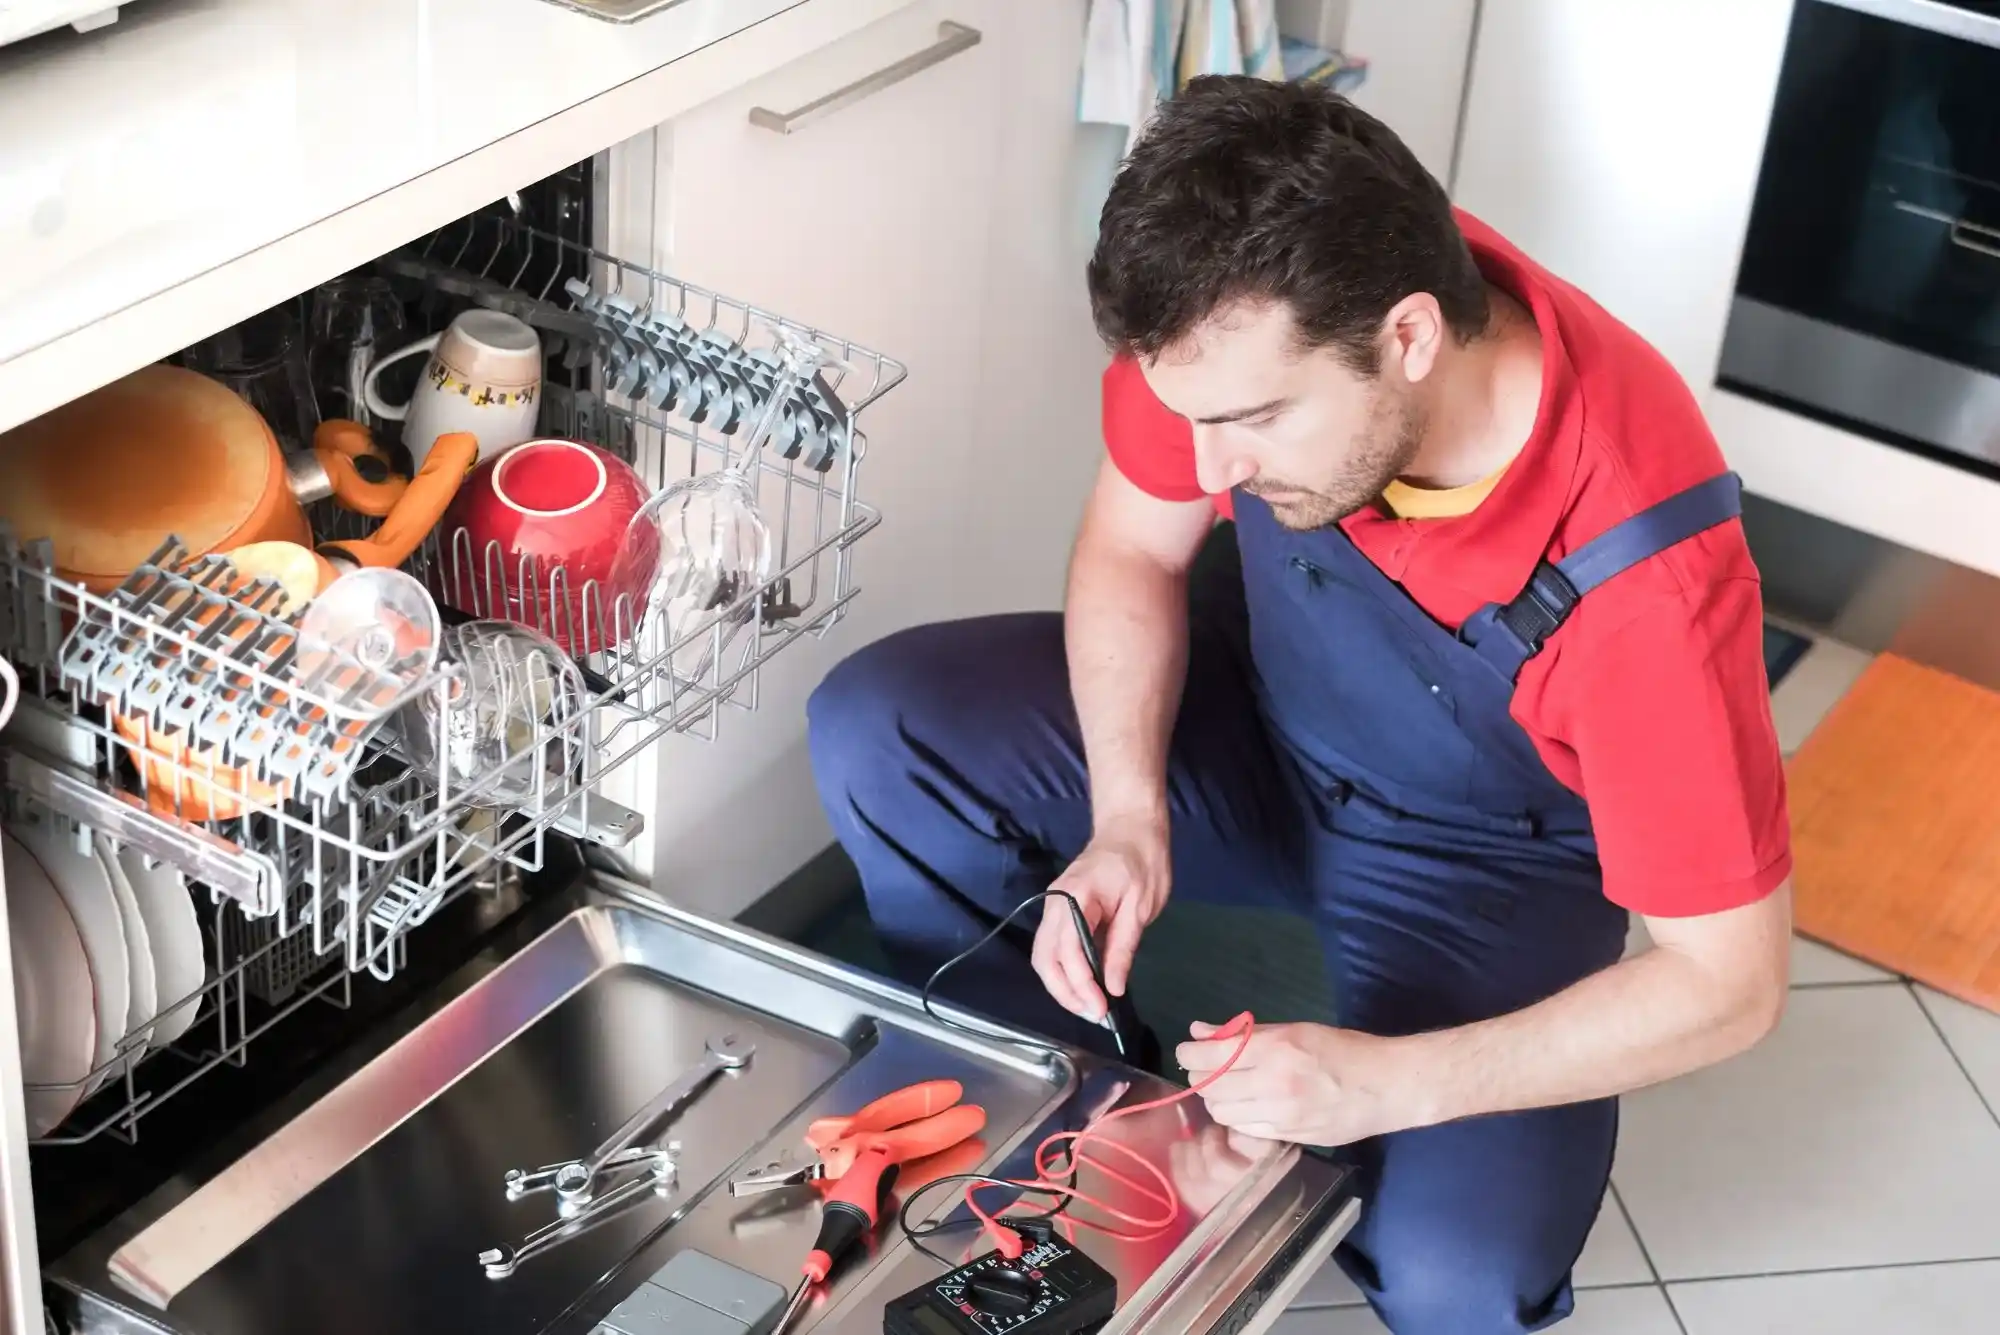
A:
[1869,292]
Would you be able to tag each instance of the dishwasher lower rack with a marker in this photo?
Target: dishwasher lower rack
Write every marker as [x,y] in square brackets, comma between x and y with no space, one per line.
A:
[368,1208]
[172,717]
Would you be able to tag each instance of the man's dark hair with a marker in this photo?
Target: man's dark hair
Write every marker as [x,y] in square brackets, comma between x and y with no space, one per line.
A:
[1244,189]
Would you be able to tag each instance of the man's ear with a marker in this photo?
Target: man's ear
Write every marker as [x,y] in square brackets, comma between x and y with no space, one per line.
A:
[1414,335]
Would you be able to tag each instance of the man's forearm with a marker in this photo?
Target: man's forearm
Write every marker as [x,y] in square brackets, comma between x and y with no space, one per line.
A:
[1650,1018]
[1126,633]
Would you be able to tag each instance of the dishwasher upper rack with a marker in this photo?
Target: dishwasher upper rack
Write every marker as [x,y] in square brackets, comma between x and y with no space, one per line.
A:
[674,680]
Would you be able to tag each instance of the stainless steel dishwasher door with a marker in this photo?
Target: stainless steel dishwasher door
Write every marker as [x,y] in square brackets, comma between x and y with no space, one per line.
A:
[369,1208]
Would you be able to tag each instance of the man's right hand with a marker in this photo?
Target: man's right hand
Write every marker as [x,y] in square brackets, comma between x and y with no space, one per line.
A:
[1121,881]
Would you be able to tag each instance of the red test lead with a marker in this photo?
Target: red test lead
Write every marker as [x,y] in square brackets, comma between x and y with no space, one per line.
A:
[1159,1190]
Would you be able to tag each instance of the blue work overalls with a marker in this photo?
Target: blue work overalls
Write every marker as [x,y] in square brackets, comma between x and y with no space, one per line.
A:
[1338,753]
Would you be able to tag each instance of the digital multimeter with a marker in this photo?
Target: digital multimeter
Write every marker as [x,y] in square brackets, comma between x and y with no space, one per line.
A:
[1051,1289]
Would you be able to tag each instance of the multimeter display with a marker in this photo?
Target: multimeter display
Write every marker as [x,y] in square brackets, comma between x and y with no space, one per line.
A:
[1052,1289]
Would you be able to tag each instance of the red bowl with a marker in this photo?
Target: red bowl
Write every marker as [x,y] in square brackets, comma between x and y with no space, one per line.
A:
[531,530]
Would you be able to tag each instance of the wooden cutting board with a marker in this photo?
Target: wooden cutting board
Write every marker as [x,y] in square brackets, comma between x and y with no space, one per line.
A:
[1895,802]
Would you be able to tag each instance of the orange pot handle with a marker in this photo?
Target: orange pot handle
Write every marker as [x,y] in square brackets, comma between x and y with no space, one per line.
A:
[337,444]
[421,507]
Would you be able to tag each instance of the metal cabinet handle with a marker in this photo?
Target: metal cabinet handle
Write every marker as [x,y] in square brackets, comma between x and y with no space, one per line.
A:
[952,39]
[1943,17]
[1964,234]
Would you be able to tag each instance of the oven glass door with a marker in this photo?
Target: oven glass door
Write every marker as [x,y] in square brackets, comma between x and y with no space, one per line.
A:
[1870,283]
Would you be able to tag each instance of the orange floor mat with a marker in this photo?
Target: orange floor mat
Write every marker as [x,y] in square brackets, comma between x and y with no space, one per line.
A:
[1895,803]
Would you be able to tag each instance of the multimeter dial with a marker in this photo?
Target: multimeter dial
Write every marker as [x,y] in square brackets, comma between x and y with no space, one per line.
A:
[997,1297]
[1003,1291]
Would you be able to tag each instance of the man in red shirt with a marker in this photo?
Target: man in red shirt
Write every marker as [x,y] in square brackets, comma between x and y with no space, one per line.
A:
[1476,671]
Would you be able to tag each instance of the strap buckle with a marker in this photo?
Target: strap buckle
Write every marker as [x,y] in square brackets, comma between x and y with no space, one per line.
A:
[1540,609]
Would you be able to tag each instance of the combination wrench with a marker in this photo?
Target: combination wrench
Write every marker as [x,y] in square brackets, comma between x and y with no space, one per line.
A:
[574,1182]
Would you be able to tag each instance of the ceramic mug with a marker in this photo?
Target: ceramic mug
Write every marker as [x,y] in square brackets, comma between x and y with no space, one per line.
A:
[484,376]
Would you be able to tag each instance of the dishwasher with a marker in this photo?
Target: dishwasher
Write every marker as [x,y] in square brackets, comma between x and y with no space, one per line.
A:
[448,1065]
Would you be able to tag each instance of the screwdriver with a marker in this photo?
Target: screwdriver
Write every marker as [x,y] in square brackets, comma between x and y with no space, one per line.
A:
[852,1210]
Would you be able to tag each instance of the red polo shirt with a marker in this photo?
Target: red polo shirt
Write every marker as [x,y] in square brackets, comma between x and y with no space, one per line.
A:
[1651,702]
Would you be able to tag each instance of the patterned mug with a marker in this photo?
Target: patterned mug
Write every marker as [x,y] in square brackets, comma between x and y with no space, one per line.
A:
[484,376]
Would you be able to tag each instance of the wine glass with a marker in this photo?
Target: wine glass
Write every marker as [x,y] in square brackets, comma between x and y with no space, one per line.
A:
[509,722]
[367,639]
[263,360]
[698,549]
[355,321]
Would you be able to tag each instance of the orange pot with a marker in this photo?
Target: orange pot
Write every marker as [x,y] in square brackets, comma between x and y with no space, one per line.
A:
[107,477]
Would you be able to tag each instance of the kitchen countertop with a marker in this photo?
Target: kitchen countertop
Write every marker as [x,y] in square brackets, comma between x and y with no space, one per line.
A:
[160,152]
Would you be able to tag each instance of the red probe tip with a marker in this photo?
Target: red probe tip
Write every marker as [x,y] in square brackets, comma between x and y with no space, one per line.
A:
[817,1267]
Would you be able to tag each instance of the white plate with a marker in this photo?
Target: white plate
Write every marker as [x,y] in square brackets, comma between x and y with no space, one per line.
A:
[58,1014]
[86,892]
[145,1003]
[175,935]
[40,726]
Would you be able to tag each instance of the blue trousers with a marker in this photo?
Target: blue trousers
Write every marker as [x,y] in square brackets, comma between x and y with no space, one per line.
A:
[949,762]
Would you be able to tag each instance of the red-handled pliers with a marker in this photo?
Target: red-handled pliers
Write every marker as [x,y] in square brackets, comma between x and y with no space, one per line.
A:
[855,1162]
[911,1123]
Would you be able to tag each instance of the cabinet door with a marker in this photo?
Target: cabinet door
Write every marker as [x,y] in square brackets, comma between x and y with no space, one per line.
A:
[1039,439]
[1619,145]
[871,222]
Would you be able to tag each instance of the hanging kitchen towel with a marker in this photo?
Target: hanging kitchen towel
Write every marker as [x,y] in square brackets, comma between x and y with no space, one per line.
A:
[1169,30]
[1130,61]
[1263,54]
[1213,42]
[1110,92]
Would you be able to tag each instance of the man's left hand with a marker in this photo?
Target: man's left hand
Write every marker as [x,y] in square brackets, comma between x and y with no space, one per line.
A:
[1305,1083]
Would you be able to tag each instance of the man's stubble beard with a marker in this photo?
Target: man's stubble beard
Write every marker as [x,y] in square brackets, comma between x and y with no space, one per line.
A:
[1394,436]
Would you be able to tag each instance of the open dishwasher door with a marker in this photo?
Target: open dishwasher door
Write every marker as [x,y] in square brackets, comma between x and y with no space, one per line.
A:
[380,1205]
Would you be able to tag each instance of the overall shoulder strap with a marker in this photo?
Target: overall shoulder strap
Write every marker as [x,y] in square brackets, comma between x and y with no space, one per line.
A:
[1507,635]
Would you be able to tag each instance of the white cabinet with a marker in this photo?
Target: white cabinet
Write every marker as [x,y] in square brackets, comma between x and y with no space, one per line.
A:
[1035,416]
[871,221]
[1619,143]
[1417,53]
[222,166]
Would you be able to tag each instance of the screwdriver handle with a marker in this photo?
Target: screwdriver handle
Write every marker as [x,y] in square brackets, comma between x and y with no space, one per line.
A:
[852,1209]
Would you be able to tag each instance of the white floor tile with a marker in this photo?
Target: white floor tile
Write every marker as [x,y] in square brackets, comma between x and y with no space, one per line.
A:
[1849,1138]
[1814,964]
[1962,1299]
[1813,686]
[1329,1288]
[1621,1312]
[1611,1256]
[1328,1321]
[1642,1311]
[1973,1034]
